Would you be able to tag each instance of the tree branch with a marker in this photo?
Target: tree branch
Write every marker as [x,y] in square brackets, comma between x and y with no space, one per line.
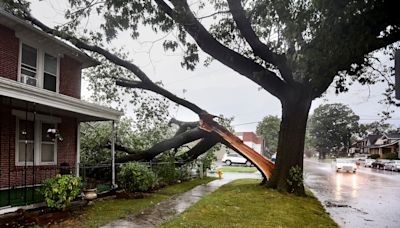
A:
[183,15]
[171,143]
[259,48]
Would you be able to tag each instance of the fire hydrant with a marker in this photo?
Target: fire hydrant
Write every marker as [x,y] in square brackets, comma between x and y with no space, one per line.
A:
[219,173]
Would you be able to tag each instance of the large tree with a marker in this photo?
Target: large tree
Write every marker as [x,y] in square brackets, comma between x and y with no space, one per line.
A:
[268,129]
[332,128]
[292,49]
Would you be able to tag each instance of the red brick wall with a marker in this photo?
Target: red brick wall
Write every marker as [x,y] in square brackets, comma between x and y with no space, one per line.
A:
[70,77]
[9,46]
[66,152]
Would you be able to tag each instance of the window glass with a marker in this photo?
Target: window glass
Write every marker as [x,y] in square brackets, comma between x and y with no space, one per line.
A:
[29,56]
[47,152]
[26,130]
[50,82]
[46,136]
[50,64]
[28,147]
[48,145]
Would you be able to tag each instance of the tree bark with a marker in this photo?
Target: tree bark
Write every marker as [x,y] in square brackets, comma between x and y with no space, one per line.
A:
[291,142]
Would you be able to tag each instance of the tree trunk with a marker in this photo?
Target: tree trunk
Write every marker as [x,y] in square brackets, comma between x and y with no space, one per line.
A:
[291,144]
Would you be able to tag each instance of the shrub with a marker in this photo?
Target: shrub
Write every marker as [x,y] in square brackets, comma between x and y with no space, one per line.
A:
[374,156]
[166,172]
[136,177]
[59,191]
[391,156]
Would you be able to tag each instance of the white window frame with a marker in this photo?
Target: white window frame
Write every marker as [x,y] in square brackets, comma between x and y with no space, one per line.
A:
[41,51]
[37,144]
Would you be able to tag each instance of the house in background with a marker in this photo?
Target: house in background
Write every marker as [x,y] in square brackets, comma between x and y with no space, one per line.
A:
[386,144]
[248,138]
[40,109]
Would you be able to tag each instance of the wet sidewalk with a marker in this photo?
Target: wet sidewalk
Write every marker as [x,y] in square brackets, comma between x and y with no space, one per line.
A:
[165,210]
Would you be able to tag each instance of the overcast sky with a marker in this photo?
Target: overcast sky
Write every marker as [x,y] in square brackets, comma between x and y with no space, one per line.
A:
[216,88]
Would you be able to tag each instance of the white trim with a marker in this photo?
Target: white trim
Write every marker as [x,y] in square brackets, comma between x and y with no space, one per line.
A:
[14,89]
[37,144]
[20,27]
[14,209]
[40,59]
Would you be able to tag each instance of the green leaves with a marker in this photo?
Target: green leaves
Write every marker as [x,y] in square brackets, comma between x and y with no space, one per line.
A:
[136,177]
[59,191]
[332,127]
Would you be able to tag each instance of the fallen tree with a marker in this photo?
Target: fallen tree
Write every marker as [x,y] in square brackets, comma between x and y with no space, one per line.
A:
[187,132]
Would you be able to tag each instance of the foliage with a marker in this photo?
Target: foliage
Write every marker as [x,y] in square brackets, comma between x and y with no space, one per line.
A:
[374,156]
[246,203]
[391,156]
[166,171]
[295,179]
[375,128]
[332,127]
[136,177]
[268,129]
[59,191]
[292,49]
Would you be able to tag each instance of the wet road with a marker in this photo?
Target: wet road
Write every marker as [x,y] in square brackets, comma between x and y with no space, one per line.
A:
[369,198]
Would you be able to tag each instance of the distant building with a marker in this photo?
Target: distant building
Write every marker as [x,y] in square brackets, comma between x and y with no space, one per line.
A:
[377,144]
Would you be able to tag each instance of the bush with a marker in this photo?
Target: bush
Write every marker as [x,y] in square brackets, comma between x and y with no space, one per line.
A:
[59,191]
[391,156]
[374,156]
[166,173]
[136,177]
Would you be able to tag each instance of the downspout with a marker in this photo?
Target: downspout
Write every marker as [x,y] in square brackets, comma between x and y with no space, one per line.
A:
[113,155]
[78,148]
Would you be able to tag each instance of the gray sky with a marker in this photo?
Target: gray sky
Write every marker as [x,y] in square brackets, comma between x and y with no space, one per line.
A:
[216,88]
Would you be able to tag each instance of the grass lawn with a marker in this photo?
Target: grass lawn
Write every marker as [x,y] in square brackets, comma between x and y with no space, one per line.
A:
[105,211]
[244,203]
[239,169]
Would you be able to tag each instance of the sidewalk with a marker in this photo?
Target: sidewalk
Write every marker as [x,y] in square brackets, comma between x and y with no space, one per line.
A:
[168,209]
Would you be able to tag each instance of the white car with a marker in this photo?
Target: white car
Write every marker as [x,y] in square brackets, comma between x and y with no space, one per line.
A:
[368,162]
[235,158]
[347,165]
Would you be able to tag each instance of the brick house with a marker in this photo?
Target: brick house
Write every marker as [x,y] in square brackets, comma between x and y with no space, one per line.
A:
[40,109]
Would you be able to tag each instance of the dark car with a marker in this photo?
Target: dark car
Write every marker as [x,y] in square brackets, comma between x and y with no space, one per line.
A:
[379,164]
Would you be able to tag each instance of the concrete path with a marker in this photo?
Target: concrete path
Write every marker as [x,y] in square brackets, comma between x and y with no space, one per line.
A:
[168,209]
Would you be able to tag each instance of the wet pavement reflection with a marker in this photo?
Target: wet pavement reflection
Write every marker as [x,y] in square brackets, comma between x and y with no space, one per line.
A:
[168,209]
[368,198]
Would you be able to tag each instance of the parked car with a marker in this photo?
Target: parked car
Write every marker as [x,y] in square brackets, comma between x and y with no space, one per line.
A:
[368,162]
[393,165]
[347,165]
[379,164]
[235,158]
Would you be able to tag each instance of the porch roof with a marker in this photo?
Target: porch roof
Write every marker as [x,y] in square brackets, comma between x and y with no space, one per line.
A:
[56,103]
[384,145]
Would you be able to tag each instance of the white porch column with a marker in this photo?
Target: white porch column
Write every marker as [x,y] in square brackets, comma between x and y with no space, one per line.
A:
[113,154]
[78,148]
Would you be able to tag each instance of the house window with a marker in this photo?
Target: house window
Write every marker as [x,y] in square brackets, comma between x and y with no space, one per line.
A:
[38,68]
[28,65]
[34,144]
[50,73]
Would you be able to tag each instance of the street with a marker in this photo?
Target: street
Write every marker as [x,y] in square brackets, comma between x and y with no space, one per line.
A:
[369,198]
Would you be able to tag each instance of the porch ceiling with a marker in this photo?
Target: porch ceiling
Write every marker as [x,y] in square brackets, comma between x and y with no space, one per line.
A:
[53,103]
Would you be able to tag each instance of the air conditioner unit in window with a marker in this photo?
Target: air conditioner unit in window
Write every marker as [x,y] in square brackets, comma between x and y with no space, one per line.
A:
[28,80]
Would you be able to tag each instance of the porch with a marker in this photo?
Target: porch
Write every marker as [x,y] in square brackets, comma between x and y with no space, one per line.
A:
[39,138]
